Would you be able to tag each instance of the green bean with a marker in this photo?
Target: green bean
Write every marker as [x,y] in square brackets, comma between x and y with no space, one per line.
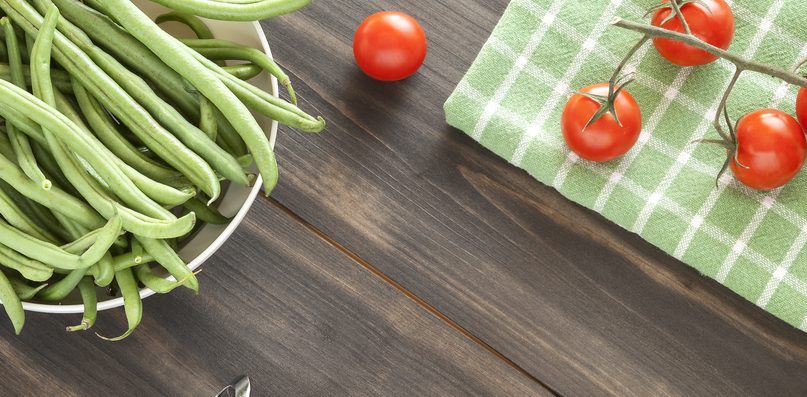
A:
[83,242]
[103,272]
[102,161]
[137,56]
[51,168]
[105,166]
[108,133]
[89,297]
[129,260]
[224,50]
[12,303]
[40,215]
[73,229]
[55,199]
[5,145]
[243,71]
[60,78]
[189,134]
[207,118]
[198,26]
[263,102]
[175,55]
[28,268]
[70,258]
[132,221]
[104,239]
[206,213]
[24,291]
[19,142]
[232,10]
[154,282]
[126,109]
[19,219]
[131,303]
[39,250]
[168,258]
[60,289]
[122,185]
[157,191]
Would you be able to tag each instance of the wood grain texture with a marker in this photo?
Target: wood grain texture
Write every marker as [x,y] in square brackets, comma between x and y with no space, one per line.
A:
[277,303]
[581,304]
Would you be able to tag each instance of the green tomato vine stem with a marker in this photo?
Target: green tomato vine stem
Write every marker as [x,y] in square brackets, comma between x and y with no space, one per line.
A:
[740,62]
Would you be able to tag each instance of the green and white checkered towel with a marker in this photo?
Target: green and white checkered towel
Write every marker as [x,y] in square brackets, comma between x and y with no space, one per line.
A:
[663,189]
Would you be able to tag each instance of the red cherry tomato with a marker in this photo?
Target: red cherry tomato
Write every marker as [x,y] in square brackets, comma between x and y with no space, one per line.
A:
[389,46]
[604,139]
[801,107]
[710,20]
[771,143]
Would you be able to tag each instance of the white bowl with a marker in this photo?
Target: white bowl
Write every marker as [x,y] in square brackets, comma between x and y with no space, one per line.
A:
[235,202]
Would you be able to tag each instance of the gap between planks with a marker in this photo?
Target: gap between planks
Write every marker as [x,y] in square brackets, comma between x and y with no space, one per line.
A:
[409,294]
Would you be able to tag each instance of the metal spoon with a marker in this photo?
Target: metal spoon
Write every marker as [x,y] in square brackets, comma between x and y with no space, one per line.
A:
[239,388]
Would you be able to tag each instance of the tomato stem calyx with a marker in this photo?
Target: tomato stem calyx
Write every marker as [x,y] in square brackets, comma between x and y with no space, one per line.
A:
[607,103]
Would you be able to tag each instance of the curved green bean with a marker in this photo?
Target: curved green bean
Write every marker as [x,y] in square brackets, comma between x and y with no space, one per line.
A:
[60,289]
[242,71]
[91,150]
[190,135]
[263,102]
[137,56]
[89,296]
[198,26]
[206,213]
[12,303]
[159,192]
[232,10]
[132,304]
[23,290]
[154,282]
[103,272]
[223,50]
[55,199]
[19,142]
[168,258]
[175,55]
[17,218]
[108,133]
[39,250]
[28,268]
[125,108]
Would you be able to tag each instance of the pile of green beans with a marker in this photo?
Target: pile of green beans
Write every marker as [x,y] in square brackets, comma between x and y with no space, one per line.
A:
[116,141]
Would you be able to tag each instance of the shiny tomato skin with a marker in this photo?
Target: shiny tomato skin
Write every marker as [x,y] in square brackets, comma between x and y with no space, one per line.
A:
[604,140]
[771,143]
[801,107]
[713,24]
[390,46]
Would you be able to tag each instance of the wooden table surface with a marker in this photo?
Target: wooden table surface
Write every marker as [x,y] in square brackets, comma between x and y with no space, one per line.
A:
[398,257]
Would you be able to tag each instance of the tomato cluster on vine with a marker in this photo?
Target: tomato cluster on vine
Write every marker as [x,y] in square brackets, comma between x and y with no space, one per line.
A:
[765,149]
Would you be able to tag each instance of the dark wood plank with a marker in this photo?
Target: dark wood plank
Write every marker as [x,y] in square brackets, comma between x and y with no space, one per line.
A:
[581,304]
[278,303]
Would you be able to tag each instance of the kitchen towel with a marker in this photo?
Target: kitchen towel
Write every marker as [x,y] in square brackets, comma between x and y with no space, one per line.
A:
[664,189]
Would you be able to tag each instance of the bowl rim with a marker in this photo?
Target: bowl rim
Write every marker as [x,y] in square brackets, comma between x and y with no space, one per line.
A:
[209,251]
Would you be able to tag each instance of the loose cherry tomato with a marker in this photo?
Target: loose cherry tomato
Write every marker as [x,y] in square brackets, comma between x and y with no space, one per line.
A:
[605,139]
[772,145]
[710,20]
[801,107]
[390,46]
